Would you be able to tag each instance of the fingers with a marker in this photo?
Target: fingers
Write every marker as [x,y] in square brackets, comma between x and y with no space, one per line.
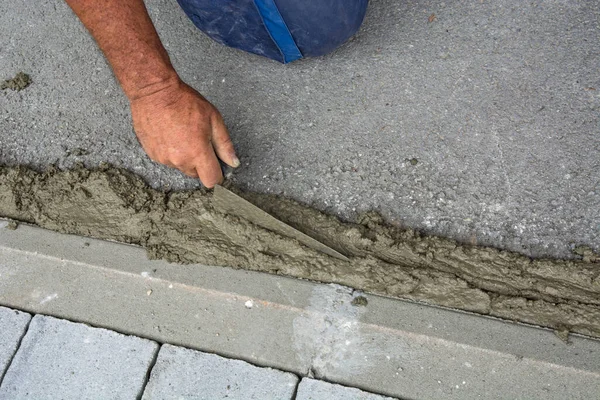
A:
[190,172]
[222,142]
[208,168]
[189,135]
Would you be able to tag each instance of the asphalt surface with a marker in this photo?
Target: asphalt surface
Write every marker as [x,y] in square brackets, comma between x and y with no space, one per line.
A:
[474,120]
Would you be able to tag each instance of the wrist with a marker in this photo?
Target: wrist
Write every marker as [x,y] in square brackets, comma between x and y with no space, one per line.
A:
[167,82]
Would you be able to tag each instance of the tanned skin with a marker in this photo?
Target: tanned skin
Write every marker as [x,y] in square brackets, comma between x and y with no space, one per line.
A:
[175,125]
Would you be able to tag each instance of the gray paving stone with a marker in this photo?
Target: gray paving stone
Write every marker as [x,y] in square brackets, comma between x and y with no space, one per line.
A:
[12,327]
[403,349]
[181,373]
[63,360]
[311,389]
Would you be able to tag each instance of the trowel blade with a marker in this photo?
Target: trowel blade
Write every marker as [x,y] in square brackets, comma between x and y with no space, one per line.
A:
[230,203]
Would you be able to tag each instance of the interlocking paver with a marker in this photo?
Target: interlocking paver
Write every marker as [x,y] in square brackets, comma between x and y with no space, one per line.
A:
[64,360]
[311,389]
[181,373]
[12,327]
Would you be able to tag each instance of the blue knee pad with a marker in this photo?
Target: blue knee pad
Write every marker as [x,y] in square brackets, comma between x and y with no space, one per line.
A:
[283,30]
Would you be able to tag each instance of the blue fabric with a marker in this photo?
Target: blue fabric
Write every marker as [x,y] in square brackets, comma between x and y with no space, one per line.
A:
[321,26]
[234,23]
[278,30]
[283,30]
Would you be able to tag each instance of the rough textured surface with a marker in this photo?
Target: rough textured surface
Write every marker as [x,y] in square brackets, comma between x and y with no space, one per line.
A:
[481,125]
[184,227]
[183,373]
[59,359]
[12,329]
[311,389]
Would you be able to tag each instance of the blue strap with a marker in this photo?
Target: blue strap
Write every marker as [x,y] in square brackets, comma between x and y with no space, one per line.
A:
[278,30]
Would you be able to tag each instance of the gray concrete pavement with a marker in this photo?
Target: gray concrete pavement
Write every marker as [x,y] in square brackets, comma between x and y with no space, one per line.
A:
[390,347]
[497,100]
[183,373]
[312,389]
[12,327]
[59,359]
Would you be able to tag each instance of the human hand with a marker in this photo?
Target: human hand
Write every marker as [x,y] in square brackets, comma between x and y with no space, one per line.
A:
[178,127]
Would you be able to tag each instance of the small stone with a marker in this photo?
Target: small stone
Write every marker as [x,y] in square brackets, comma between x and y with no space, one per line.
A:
[78,151]
[587,254]
[12,225]
[359,301]
[563,334]
[18,83]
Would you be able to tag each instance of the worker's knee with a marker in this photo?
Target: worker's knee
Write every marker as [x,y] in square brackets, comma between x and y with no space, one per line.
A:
[283,30]
[320,26]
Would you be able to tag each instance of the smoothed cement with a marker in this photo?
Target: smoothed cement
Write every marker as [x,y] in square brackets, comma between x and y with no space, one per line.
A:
[184,227]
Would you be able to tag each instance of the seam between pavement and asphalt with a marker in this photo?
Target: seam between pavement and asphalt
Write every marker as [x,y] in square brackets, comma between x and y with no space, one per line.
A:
[392,347]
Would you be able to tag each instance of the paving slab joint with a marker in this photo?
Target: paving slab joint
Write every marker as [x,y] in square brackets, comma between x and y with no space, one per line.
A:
[149,372]
[3,374]
[151,338]
[295,394]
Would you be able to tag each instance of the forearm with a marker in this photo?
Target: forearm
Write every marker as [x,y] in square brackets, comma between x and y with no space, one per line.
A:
[174,123]
[126,35]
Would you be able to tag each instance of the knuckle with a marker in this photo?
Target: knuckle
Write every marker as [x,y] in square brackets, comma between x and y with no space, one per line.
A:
[225,140]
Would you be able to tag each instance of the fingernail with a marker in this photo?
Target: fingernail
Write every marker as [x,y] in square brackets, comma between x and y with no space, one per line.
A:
[235,161]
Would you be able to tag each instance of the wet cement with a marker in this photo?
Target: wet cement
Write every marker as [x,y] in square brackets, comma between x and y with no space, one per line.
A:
[18,83]
[185,227]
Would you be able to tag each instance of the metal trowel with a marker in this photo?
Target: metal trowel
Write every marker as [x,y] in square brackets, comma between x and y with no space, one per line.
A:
[230,203]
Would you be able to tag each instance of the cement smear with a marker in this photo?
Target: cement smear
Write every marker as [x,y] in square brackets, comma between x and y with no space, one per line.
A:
[184,227]
[18,83]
